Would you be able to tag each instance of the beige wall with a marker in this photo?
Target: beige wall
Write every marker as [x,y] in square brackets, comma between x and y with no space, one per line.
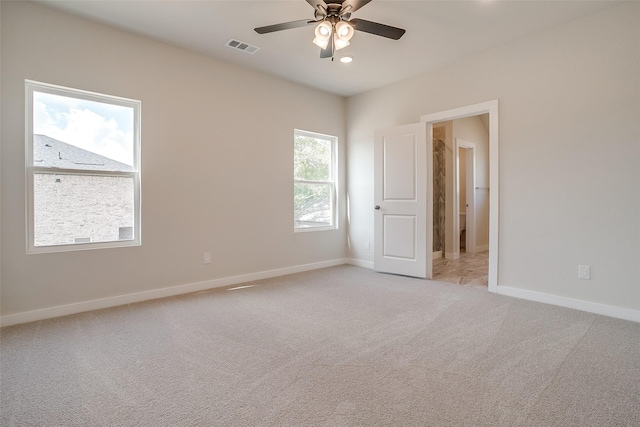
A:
[569,104]
[217,162]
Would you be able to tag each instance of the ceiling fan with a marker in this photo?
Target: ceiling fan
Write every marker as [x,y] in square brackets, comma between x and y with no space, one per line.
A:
[334,26]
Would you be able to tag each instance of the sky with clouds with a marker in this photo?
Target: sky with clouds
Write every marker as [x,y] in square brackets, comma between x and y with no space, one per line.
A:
[105,129]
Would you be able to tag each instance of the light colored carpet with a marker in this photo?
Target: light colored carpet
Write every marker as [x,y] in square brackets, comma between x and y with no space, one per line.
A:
[342,346]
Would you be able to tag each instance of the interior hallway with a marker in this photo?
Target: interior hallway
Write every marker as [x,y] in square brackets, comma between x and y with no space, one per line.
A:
[469,269]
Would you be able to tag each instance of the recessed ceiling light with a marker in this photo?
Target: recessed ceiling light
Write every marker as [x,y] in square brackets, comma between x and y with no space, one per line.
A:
[346,59]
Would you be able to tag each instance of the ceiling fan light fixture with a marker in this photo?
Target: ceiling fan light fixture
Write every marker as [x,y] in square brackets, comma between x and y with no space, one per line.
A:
[322,44]
[333,25]
[323,34]
[344,30]
[323,30]
[340,43]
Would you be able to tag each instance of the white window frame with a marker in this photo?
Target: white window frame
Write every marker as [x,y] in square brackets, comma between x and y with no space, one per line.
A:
[34,86]
[332,183]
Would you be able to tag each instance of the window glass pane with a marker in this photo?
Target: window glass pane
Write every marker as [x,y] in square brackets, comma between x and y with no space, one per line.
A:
[312,205]
[73,209]
[312,159]
[73,133]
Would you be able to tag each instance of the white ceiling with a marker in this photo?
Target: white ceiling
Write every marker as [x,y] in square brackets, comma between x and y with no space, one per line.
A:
[438,33]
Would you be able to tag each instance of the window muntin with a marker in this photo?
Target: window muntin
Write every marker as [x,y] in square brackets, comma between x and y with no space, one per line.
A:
[314,181]
[83,174]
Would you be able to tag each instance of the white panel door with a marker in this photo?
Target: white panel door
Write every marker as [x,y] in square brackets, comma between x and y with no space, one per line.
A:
[401,234]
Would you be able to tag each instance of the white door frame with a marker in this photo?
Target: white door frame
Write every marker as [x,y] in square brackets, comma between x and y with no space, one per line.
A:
[470,199]
[490,107]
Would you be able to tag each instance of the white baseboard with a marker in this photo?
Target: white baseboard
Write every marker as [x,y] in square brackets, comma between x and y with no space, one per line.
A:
[64,310]
[437,254]
[591,307]
[360,263]
[452,255]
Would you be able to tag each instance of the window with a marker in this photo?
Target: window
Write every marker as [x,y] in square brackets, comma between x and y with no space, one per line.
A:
[314,188]
[83,169]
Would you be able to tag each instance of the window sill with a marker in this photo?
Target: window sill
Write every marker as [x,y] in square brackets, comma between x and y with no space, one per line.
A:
[310,229]
[82,247]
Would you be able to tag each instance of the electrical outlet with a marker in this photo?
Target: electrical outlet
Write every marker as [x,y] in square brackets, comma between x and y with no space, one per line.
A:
[206,258]
[584,272]
[367,246]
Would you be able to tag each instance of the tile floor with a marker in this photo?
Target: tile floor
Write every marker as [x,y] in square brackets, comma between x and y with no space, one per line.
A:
[469,269]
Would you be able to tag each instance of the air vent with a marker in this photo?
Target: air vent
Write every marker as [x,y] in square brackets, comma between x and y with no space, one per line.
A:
[245,47]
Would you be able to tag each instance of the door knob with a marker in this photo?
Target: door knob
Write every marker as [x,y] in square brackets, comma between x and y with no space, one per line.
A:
[377,207]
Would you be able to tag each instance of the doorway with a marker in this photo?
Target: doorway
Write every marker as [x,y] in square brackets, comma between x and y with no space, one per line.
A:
[462,261]
[471,235]
[403,194]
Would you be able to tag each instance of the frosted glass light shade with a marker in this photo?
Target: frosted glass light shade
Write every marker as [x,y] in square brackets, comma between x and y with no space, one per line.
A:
[322,44]
[323,33]
[340,43]
[344,31]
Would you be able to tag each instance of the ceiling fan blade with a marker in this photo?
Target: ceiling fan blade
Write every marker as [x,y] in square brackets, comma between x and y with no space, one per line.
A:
[378,29]
[283,26]
[355,5]
[328,52]
[318,5]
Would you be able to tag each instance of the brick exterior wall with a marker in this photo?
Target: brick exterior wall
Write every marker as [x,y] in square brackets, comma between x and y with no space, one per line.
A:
[80,206]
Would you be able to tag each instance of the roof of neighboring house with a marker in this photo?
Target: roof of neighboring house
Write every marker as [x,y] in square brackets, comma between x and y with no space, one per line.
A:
[51,153]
